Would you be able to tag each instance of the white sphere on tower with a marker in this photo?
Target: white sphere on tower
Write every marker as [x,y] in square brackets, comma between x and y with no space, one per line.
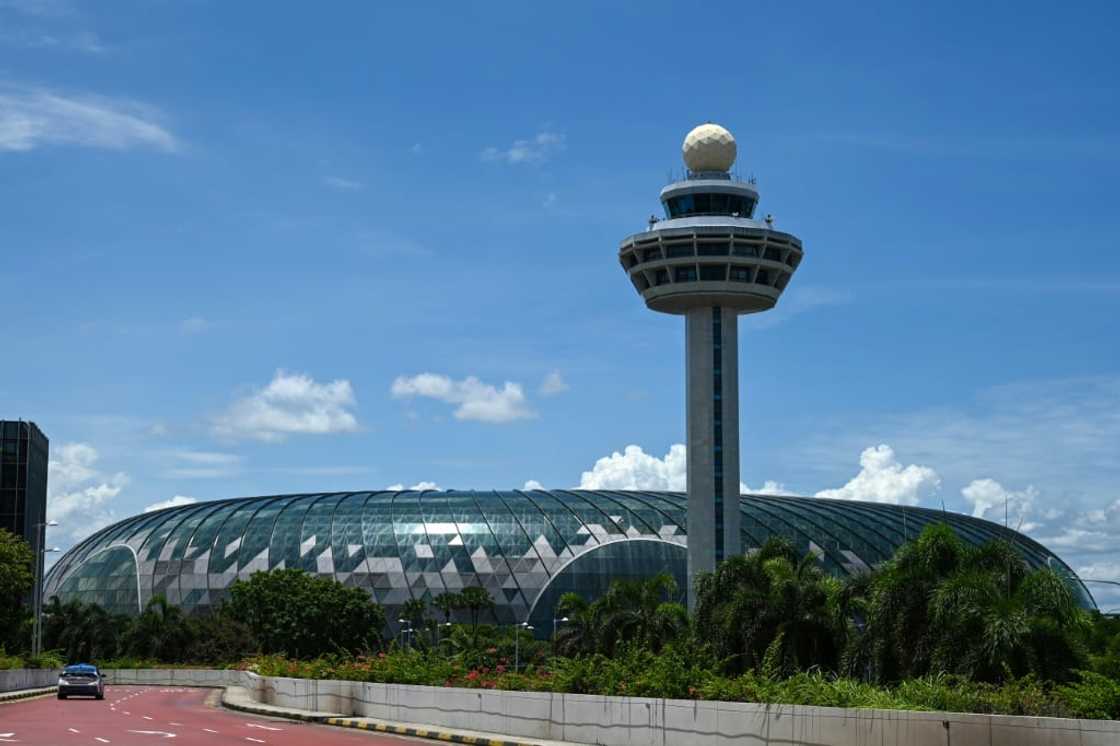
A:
[709,147]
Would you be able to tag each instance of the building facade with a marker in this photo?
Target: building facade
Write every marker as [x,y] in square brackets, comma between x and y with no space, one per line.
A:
[525,547]
[24,453]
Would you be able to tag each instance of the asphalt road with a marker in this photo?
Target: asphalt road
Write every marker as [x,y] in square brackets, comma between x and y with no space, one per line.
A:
[151,715]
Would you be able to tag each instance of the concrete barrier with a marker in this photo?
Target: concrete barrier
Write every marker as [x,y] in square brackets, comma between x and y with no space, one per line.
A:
[16,679]
[636,721]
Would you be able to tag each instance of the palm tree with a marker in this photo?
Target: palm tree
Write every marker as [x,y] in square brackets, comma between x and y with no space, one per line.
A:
[476,600]
[771,607]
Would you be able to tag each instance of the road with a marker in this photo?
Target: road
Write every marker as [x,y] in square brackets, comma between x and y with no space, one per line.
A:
[151,715]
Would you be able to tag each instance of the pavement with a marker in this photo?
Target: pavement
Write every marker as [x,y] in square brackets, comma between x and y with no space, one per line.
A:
[148,715]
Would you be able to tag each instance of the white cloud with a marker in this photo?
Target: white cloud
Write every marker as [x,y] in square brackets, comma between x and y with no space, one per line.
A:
[202,465]
[171,503]
[37,117]
[769,487]
[290,404]
[882,479]
[398,487]
[78,495]
[553,384]
[634,469]
[989,495]
[79,41]
[533,484]
[536,149]
[796,301]
[341,184]
[476,400]
[194,325]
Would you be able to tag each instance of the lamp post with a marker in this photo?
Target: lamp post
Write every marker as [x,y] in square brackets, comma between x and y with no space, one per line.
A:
[37,592]
[407,629]
[517,643]
[555,621]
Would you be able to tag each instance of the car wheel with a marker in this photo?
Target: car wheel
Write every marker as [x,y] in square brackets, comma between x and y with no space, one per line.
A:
[61,695]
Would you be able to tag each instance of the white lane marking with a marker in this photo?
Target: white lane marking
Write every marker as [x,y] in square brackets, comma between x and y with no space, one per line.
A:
[160,733]
[209,731]
[178,724]
[262,727]
[254,740]
[103,740]
[73,731]
[146,717]
[126,712]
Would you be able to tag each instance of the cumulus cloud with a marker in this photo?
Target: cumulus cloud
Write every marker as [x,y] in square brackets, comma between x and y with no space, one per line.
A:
[291,404]
[988,495]
[533,484]
[634,469]
[78,495]
[474,399]
[36,117]
[769,487]
[171,503]
[882,479]
[553,384]
[418,486]
[536,149]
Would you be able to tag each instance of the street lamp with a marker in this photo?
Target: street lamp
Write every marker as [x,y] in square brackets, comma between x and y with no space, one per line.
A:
[555,621]
[37,592]
[517,643]
[407,631]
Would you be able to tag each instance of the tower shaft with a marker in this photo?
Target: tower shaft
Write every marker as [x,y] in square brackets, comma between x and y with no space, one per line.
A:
[712,411]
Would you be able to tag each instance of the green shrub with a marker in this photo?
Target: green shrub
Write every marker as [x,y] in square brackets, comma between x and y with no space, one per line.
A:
[1095,696]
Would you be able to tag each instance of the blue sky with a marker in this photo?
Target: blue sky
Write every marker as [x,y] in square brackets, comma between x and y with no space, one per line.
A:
[234,235]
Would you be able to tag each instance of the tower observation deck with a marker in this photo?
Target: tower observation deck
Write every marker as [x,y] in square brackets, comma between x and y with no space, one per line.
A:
[710,261]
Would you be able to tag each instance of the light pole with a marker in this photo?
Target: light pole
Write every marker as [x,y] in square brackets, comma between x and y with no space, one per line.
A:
[407,629]
[517,643]
[555,621]
[37,592]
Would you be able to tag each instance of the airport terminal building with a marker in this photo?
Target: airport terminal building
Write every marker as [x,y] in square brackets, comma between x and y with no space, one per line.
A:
[526,547]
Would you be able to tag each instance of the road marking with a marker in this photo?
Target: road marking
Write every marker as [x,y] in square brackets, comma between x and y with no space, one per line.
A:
[73,731]
[126,712]
[179,724]
[209,731]
[103,740]
[254,740]
[160,733]
[146,717]
[262,727]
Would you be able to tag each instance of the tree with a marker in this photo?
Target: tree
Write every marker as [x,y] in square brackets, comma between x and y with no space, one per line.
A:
[160,632]
[16,581]
[641,613]
[941,605]
[771,608]
[447,603]
[290,611]
[476,600]
[83,632]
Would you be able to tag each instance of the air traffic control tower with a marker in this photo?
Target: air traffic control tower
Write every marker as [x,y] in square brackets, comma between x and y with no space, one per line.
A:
[709,260]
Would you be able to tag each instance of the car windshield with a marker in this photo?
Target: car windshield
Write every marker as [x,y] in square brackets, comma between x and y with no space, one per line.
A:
[80,672]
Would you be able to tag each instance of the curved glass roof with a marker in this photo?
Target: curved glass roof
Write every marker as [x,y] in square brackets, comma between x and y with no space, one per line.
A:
[521,546]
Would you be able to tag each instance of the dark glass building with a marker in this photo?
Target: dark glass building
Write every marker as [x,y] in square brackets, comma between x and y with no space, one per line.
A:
[24,452]
[526,548]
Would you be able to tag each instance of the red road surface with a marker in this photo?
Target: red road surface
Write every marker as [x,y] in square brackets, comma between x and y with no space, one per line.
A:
[151,715]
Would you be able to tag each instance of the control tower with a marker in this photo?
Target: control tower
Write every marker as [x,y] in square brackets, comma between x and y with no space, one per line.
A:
[709,260]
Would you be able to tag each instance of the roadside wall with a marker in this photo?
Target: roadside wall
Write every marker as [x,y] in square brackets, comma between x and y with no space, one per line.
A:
[634,721]
[12,680]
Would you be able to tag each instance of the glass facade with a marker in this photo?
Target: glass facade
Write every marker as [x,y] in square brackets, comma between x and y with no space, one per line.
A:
[525,548]
[23,478]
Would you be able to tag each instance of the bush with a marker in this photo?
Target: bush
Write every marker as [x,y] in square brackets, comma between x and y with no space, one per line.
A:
[1095,696]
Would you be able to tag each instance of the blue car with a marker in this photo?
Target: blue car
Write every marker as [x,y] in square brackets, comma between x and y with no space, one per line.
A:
[81,679]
